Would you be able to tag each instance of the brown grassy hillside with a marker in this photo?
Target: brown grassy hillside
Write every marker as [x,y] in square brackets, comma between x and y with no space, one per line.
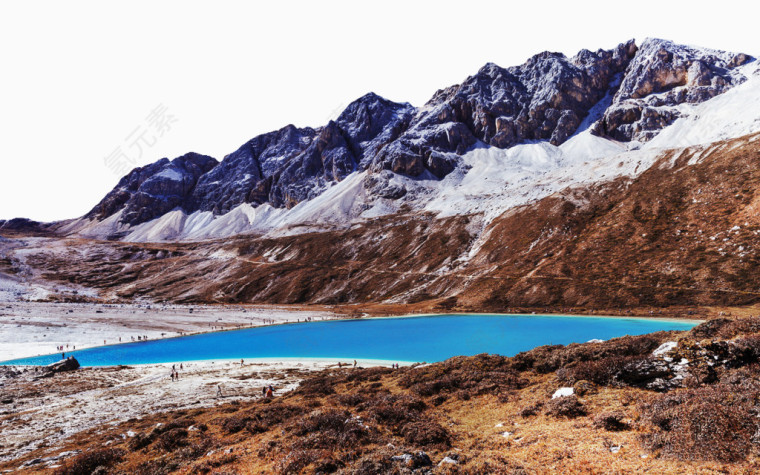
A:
[684,233]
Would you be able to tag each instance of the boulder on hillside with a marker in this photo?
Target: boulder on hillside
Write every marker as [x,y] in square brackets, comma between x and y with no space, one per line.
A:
[68,364]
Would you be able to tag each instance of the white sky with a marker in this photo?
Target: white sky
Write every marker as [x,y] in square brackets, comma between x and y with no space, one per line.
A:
[78,77]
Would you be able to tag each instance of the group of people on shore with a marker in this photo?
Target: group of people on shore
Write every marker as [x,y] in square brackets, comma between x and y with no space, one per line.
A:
[175,373]
[341,364]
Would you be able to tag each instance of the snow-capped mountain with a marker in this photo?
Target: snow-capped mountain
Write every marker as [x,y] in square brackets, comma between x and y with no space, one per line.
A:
[502,138]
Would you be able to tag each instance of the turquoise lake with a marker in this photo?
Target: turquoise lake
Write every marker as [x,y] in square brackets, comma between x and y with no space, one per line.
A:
[404,339]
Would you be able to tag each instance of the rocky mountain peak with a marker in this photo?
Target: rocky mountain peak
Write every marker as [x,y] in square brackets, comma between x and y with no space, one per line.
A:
[661,76]
[546,98]
[292,164]
[150,191]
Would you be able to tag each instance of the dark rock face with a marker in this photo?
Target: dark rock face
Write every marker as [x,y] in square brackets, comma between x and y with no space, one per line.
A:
[290,165]
[24,226]
[544,99]
[650,373]
[663,75]
[150,191]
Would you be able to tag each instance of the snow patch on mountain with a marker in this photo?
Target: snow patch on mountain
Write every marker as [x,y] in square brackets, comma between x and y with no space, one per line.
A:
[92,228]
[495,180]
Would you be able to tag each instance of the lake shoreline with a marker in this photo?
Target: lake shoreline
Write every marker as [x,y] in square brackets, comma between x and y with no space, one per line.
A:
[428,338]
[162,322]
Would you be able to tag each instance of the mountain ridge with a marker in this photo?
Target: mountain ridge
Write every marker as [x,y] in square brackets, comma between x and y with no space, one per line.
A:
[546,99]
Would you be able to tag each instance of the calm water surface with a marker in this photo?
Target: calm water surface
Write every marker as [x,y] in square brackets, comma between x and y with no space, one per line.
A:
[430,338]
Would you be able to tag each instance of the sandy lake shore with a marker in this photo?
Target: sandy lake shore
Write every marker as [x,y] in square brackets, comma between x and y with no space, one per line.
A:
[36,328]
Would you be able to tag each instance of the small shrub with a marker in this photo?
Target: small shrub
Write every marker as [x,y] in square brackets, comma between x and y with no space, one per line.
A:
[601,372]
[352,399]
[297,460]
[235,424]
[209,466]
[531,410]
[568,406]
[368,374]
[196,450]
[329,429]
[172,440]
[583,387]
[394,410]
[261,419]
[610,421]
[141,440]
[426,433]
[372,465]
[316,386]
[88,462]
[709,423]
[160,466]
[480,374]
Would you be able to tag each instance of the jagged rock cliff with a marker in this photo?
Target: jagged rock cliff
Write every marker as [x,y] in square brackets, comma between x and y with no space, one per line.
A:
[150,191]
[294,164]
[544,99]
[662,76]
